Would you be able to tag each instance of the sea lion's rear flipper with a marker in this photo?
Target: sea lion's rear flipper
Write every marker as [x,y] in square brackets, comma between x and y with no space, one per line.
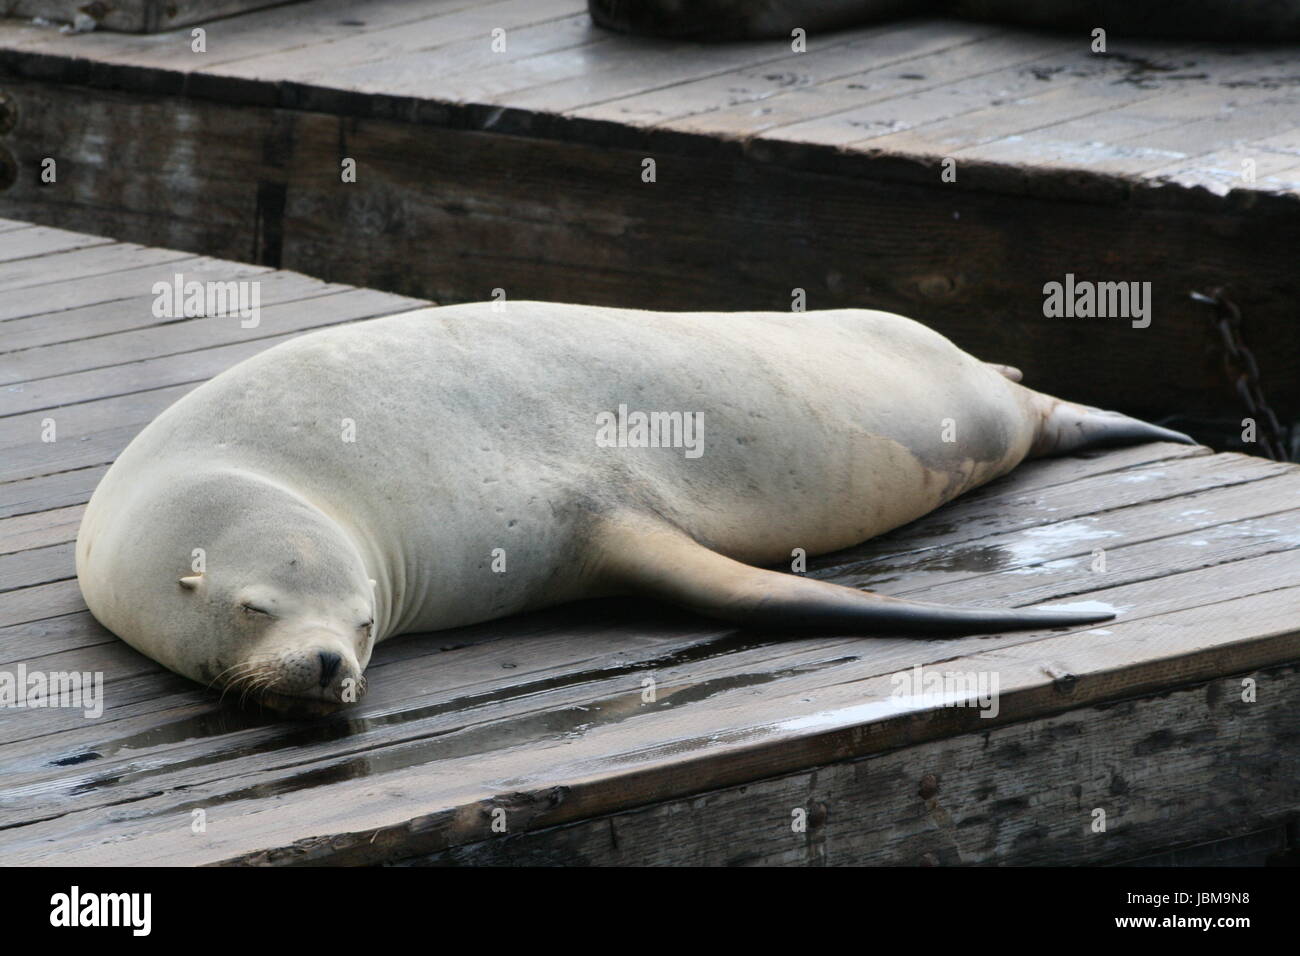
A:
[656,560]
[1065,427]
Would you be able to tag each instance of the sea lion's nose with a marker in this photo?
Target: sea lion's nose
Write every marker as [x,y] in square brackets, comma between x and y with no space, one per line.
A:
[329,666]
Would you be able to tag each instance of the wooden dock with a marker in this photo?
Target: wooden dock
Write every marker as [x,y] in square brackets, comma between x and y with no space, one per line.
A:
[520,167]
[535,740]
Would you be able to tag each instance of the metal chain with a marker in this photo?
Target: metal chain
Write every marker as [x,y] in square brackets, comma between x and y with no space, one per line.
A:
[1243,372]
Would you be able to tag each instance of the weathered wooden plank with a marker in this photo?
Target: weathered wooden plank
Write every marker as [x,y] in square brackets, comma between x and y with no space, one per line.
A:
[1024,794]
[837,56]
[75,630]
[1249,118]
[1057,558]
[38,459]
[42,601]
[931,99]
[39,530]
[1268,847]
[1163,98]
[132,310]
[42,241]
[191,367]
[1130,562]
[135,16]
[1157,560]
[49,491]
[1006,506]
[280,27]
[1272,159]
[1100,136]
[954,62]
[43,300]
[551,259]
[1070,85]
[444,44]
[219,172]
[99,259]
[329,23]
[187,335]
[85,421]
[40,565]
[560,82]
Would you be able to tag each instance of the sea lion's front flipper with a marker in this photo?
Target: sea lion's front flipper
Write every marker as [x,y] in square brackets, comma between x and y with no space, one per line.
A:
[654,559]
[1007,371]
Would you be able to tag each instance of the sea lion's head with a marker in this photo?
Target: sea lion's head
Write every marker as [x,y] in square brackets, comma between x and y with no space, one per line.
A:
[234,581]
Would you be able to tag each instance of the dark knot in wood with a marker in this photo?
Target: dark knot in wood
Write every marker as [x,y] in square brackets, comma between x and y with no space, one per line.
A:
[8,113]
[929,786]
[8,169]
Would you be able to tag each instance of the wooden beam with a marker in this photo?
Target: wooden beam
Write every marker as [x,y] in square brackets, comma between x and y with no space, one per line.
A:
[1159,772]
[434,214]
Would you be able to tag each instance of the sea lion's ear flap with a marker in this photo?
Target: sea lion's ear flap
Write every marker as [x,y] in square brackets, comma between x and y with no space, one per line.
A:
[191,583]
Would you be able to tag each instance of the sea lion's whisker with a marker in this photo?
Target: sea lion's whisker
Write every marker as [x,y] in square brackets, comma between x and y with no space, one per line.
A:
[249,674]
[235,666]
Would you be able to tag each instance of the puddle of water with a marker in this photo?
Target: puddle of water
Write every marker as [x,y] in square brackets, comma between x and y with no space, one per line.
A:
[428,746]
[1033,545]
[460,741]
[1083,606]
[1140,476]
[229,721]
[853,715]
[871,711]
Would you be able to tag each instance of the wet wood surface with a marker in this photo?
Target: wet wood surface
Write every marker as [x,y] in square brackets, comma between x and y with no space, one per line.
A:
[536,739]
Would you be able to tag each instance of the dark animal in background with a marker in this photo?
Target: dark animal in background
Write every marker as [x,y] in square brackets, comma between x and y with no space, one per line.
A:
[755,19]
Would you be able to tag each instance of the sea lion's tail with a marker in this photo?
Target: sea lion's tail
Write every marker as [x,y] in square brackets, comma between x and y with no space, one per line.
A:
[656,560]
[1065,427]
